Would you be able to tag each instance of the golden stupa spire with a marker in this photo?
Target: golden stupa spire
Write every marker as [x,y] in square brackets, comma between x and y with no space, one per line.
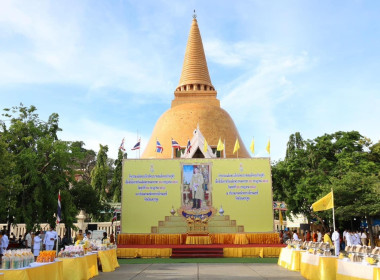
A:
[194,105]
[194,70]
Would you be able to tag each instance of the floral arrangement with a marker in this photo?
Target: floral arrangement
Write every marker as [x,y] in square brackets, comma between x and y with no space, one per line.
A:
[46,256]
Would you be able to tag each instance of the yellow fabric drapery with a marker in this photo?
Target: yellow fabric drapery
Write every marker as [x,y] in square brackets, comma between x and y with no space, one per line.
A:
[75,268]
[251,252]
[241,252]
[216,238]
[49,271]
[263,238]
[1,276]
[327,267]
[271,252]
[240,239]
[355,271]
[222,238]
[92,265]
[108,260]
[151,239]
[376,273]
[199,240]
[80,268]
[316,267]
[290,259]
[144,252]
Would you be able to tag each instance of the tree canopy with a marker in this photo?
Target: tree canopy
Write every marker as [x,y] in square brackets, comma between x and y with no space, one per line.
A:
[346,162]
[35,164]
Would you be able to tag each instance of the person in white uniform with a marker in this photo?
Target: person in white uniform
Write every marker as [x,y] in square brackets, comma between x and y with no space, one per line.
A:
[336,239]
[87,237]
[197,188]
[50,237]
[4,243]
[295,236]
[28,240]
[319,234]
[37,244]
[349,238]
[363,237]
[355,238]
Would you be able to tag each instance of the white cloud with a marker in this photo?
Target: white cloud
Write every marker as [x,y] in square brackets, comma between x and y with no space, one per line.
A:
[265,82]
[237,54]
[265,86]
[94,133]
[70,44]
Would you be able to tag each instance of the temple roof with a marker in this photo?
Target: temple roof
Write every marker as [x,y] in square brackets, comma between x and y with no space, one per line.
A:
[198,142]
[194,70]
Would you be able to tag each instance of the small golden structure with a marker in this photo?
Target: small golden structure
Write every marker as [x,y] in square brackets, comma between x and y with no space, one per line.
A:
[197,225]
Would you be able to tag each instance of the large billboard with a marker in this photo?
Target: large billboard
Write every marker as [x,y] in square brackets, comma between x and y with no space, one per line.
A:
[241,187]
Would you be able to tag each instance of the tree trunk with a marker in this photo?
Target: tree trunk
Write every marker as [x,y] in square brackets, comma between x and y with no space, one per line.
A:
[320,220]
[370,231]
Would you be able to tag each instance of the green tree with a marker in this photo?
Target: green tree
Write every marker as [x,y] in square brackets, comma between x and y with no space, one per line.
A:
[87,199]
[311,168]
[41,162]
[357,194]
[9,182]
[100,173]
[116,178]
[83,161]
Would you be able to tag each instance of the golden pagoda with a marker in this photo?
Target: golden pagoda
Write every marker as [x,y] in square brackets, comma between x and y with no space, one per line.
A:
[194,106]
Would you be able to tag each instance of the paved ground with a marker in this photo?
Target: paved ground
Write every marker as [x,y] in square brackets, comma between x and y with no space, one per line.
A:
[200,271]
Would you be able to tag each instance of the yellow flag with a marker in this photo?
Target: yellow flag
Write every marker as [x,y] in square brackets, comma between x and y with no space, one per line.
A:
[220,146]
[280,217]
[325,203]
[252,147]
[237,146]
[205,146]
[268,147]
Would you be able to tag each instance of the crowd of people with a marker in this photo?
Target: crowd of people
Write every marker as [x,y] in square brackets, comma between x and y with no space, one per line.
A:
[87,236]
[37,241]
[336,240]
[30,240]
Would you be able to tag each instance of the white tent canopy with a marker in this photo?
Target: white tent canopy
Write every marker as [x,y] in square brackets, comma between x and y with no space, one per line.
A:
[198,141]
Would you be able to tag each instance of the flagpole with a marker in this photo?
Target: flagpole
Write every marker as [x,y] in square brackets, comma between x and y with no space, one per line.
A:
[172,149]
[56,247]
[58,220]
[115,230]
[137,139]
[333,208]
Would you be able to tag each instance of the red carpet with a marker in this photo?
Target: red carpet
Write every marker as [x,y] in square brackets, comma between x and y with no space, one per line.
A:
[202,246]
[199,252]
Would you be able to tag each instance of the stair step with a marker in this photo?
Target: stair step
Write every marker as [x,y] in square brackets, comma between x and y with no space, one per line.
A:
[200,252]
[197,250]
[197,256]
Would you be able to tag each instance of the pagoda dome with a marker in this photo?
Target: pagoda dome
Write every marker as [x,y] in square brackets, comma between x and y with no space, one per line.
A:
[194,105]
[180,121]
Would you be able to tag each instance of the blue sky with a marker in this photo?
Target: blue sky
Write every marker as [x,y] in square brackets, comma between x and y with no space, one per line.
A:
[109,68]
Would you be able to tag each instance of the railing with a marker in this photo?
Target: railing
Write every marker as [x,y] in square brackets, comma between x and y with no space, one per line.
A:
[20,229]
